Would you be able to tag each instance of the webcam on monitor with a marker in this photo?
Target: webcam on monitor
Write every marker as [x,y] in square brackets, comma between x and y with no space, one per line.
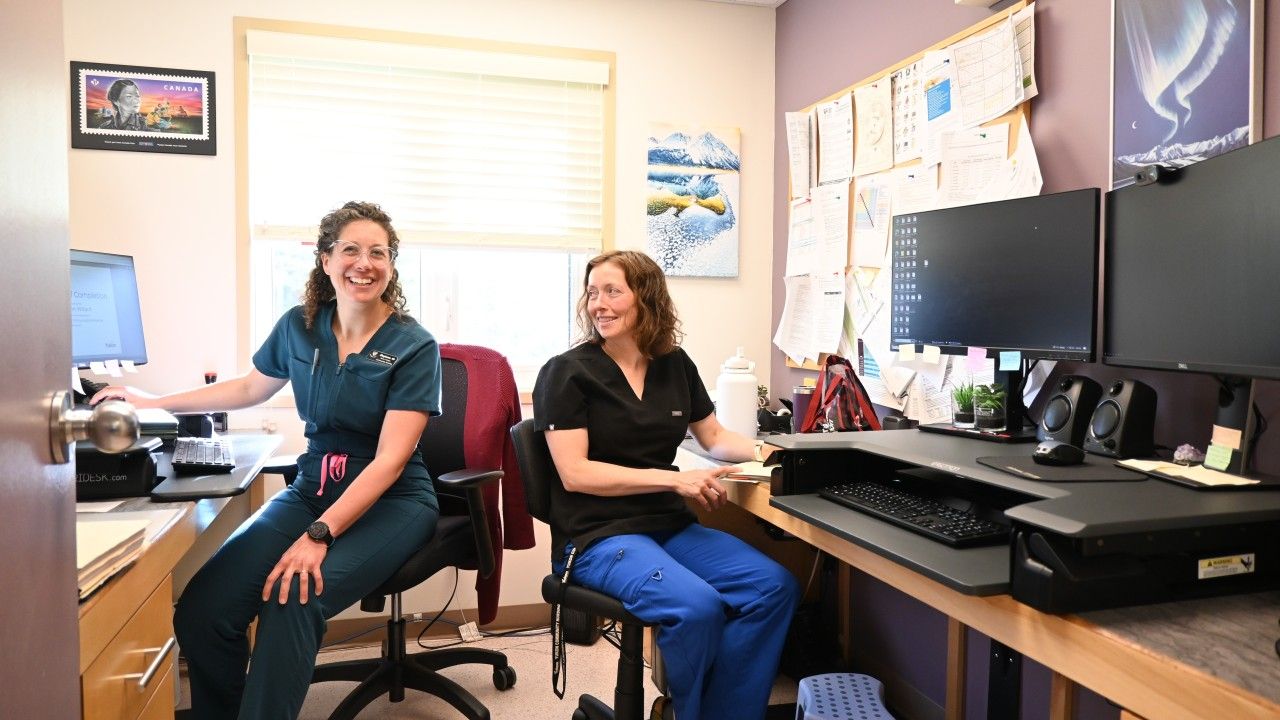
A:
[1155,174]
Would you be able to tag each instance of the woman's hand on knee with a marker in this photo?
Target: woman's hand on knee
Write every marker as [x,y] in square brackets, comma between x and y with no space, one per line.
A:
[704,486]
[302,559]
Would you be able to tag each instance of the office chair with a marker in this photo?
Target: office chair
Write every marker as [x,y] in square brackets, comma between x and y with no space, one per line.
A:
[538,471]
[462,539]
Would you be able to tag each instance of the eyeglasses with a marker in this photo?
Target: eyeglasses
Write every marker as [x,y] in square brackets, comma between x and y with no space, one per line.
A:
[377,254]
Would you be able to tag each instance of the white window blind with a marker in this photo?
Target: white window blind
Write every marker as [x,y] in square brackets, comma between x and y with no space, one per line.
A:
[461,146]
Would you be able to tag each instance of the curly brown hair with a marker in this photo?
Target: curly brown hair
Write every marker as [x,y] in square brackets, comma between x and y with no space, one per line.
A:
[657,330]
[319,288]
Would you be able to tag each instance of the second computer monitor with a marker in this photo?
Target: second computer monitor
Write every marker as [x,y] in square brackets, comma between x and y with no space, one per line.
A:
[1016,274]
[106,317]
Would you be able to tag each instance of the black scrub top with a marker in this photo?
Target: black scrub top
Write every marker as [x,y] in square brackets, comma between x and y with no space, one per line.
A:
[343,401]
[585,388]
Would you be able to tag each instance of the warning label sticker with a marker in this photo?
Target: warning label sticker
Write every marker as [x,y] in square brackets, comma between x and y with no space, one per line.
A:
[1224,566]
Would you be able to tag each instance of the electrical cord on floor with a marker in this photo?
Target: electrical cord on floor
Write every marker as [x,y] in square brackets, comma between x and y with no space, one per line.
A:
[437,617]
[817,560]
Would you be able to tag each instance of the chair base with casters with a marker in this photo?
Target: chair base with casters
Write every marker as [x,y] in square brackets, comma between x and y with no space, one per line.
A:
[397,670]
[628,694]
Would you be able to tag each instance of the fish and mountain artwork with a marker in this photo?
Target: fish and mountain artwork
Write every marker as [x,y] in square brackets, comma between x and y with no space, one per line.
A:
[693,189]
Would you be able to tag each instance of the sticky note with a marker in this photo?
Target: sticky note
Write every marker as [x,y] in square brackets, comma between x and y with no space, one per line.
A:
[128,366]
[1226,437]
[97,367]
[931,354]
[1218,457]
[977,359]
[113,368]
[1010,361]
[75,381]
[906,352]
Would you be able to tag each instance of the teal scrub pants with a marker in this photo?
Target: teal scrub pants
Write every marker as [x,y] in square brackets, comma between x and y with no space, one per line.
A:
[723,606]
[215,610]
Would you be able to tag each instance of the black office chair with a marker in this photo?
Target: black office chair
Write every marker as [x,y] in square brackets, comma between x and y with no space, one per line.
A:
[461,540]
[538,472]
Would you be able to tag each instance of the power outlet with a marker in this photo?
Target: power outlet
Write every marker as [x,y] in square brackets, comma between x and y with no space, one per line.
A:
[469,632]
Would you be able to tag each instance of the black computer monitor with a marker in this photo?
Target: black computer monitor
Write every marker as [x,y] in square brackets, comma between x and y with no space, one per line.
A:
[1191,280]
[1010,275]
[106,317]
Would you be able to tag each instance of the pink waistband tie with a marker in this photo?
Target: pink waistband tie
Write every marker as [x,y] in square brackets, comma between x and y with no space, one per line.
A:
[332,465]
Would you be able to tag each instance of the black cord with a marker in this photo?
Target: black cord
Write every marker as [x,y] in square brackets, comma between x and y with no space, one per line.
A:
[437,617]
[519,632]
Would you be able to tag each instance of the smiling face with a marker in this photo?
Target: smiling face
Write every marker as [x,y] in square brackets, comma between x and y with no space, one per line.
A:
[359,263]
[611,302]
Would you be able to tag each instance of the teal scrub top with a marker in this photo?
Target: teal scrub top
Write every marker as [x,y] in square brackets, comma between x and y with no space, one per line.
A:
[343,401]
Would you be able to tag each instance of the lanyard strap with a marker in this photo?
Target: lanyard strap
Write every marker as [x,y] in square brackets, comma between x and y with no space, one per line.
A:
[332,465]
[559,658]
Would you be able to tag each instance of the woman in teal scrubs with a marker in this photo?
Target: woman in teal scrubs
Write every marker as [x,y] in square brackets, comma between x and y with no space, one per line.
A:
[365,379]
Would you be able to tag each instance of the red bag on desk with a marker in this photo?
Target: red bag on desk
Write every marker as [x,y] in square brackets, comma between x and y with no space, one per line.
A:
[840,402]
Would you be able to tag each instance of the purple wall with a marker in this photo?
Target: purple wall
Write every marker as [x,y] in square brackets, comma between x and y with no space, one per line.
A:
[825,45]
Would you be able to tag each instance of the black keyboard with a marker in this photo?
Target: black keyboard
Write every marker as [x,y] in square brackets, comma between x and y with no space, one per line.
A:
[925,516]
[201,456]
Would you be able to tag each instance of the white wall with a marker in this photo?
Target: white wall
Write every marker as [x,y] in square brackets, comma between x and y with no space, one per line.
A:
[681,61]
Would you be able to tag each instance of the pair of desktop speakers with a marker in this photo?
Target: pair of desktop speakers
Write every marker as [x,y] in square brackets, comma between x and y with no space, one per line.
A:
[1117,421]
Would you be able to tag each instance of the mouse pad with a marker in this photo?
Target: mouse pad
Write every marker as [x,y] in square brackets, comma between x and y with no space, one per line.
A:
[1093,469]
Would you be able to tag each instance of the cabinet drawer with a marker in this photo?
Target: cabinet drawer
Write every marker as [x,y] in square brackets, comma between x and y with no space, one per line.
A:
[113,688]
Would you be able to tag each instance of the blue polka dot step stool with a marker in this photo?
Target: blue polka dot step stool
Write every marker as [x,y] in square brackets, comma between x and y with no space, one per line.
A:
[841,696]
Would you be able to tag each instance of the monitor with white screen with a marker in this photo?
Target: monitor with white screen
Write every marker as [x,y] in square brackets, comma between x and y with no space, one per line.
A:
[106,317]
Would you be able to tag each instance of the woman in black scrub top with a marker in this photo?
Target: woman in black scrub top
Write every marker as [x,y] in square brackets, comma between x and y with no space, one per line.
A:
[365,378]
[615,409]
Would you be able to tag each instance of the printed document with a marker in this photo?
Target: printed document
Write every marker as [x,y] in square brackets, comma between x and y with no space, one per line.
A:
[831,215]
[941,103]
[871,212]
[802,239]
[873,151]
[908,112]
[1024,28]
[971,160]
[989,74]
[835,140]
[799,145]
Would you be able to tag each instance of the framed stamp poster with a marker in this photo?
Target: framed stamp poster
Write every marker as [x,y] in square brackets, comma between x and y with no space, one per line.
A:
[142,109]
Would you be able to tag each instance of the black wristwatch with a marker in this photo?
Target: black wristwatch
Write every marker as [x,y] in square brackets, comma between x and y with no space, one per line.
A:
[319,531]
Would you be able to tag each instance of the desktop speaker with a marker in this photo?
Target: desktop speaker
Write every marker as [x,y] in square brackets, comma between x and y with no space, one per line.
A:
[1123,423]
[1066,414]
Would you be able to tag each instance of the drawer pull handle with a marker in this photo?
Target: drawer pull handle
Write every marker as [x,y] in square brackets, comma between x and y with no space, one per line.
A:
[156,664]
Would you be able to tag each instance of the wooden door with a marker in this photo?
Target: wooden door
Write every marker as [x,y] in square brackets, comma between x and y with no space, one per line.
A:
[39,653]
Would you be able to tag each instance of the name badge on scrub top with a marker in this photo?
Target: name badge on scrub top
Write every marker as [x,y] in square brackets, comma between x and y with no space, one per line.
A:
[384,358]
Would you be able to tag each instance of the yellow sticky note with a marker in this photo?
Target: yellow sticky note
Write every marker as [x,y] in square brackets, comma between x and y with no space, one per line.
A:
[931,354]
[1218,457]
[906,352]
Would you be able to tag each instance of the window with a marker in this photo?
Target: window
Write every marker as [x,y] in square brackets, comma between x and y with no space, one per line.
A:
[491,161]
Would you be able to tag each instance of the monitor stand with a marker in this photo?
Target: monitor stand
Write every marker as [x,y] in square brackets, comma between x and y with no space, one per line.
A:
[1235,420]
[1015,414]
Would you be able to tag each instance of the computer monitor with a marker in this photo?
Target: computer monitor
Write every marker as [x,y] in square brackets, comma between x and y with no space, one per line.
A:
[106,317]
[1191,280]
[1010,275]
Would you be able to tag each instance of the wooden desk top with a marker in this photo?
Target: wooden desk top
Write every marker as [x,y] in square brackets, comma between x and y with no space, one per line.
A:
[1177,660]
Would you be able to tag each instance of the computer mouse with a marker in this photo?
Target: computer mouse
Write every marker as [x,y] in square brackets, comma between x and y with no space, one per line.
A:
[1052,452]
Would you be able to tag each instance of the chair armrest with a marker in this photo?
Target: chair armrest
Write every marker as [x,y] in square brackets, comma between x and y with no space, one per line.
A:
[468,483]
[468,478]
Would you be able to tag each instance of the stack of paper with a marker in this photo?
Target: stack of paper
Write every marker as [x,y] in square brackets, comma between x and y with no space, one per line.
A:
[103,548]
[1197,474]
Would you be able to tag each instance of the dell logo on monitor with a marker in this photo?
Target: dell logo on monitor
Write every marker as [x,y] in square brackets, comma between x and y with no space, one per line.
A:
[1182,366]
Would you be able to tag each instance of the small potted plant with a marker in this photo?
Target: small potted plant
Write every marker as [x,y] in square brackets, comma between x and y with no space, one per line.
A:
[962,405]
[988,406]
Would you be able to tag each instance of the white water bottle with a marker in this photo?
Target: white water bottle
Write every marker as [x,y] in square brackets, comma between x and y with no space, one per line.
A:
[736,395]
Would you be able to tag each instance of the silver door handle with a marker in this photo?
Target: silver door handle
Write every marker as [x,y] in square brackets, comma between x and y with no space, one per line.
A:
[112,426]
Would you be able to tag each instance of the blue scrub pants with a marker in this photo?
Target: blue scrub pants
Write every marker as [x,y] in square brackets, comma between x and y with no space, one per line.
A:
[218,604]
[723,606]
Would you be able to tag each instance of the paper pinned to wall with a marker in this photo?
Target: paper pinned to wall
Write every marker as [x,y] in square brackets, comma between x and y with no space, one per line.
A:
[802,239]
[835,140]
[908,112]
[872,217]
[971,160]
[799,144]
[872,104]
[1024,28]
[795,326]
[1020,176]
[989,73]
[915,189]
[831,211]
[941,103]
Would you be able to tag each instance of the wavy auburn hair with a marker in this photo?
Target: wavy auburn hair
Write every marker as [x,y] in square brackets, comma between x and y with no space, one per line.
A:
[319,288]
[657,331]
